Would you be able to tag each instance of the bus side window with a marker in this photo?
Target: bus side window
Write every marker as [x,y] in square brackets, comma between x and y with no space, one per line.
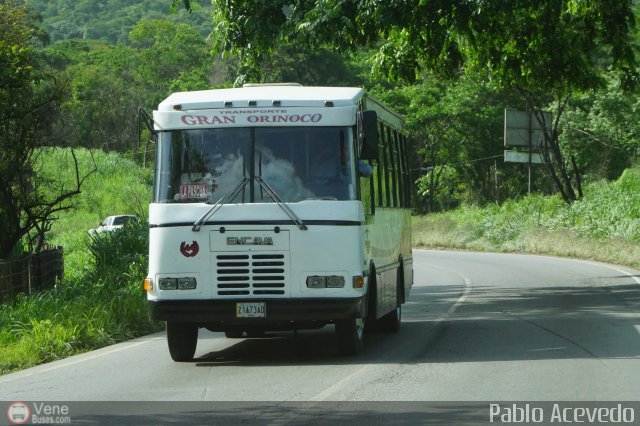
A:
[397,185]
[368,191]
[383,169]
[407,176]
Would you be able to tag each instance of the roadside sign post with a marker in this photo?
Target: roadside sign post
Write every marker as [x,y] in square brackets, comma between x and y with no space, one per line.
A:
[524,133]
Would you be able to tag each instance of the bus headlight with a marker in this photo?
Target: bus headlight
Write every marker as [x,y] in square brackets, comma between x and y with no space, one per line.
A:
[167,283]
[335,281]
[188,283]
[181,283]
[331,281]
[317,282]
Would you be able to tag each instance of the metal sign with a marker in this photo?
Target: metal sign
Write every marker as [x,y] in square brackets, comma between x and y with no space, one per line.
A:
[523,157]
[522,129]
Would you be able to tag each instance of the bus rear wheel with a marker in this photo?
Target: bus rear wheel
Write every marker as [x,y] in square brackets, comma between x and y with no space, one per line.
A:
[182,339]
[350,334]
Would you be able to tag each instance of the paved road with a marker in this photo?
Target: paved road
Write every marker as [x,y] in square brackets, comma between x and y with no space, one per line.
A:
[478,327]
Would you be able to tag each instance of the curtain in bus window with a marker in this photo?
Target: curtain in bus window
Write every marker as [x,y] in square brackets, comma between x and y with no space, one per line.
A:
[207,164]
[305,163]
[279,160]
[330,166]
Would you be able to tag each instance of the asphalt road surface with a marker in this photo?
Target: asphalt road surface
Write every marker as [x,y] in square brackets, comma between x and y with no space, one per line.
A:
[477,328]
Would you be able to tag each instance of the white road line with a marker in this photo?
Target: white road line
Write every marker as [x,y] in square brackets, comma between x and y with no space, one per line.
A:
[634,277]
[461,299]
[94,356]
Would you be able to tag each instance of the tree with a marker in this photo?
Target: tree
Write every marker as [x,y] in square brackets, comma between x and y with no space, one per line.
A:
[99,110]
[111,20]
[457,131]
[28,103]
[602,129]
[545,50]
[548,52]
[170,56]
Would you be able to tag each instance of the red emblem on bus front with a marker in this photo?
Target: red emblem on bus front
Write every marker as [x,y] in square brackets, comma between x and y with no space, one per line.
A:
[189,250]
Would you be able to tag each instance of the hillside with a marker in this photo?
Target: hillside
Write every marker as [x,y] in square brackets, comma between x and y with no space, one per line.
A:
[111,20]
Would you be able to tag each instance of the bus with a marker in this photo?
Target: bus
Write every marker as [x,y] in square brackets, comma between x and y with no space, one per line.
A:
[278,207]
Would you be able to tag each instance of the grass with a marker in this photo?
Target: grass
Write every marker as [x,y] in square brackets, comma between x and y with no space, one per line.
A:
[118,186]
[100,301]
[603,226]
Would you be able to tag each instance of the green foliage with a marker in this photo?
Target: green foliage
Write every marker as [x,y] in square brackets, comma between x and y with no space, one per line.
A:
[453,123]
[602,128]
[118,186]
[555,46]
[546,51]
[604,222]
[29,101]
[457,133]
[319,67]
[168,54]
[100,308]
[121,256]
[17,60]
[113,19]
[108,83]
[100,301]
[440,188]
[525,43]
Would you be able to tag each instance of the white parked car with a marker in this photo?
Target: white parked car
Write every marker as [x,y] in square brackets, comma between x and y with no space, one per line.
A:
[112,223]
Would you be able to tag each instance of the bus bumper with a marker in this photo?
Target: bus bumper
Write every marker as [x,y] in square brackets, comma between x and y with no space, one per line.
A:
[277,311]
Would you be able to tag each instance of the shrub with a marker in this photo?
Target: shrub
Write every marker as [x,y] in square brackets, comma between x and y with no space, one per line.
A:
[609,213]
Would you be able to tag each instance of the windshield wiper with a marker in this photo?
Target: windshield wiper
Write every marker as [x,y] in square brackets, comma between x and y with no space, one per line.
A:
[276,199]
[231,195]
[218,204]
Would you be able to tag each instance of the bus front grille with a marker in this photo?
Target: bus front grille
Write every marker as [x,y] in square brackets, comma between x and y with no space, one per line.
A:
[251,274]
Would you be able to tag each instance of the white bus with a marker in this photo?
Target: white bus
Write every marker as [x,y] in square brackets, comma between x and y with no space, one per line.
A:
[278,207]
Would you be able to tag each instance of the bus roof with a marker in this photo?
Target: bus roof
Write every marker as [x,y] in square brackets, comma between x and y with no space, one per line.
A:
[282,95]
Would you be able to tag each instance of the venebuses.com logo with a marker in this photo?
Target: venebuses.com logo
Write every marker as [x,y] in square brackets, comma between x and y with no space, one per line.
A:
[18,413]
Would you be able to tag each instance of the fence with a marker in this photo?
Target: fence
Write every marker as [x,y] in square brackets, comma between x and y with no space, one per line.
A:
[31,272]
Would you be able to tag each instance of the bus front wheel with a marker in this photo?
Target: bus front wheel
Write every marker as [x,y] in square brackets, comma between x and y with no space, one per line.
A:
[350,334]
[182,339]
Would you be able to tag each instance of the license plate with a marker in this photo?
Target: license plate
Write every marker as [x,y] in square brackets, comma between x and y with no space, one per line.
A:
[251,310]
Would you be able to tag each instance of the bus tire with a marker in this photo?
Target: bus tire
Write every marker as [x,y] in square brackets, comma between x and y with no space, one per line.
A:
[350,334]
[182,339]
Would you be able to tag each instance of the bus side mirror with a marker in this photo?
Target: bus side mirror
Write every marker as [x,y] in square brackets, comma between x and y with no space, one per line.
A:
[369,136]
[145,119]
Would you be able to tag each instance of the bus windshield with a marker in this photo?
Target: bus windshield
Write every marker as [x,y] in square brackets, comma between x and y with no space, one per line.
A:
[299,163]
